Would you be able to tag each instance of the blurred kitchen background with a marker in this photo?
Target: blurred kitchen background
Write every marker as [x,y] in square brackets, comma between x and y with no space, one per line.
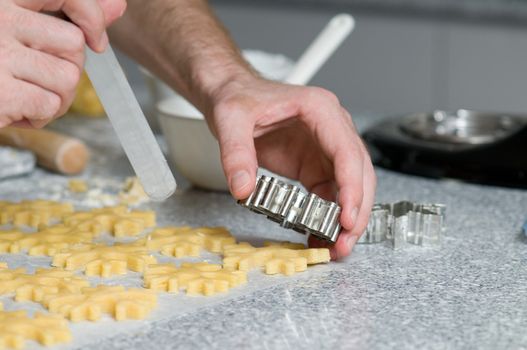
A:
[404,55]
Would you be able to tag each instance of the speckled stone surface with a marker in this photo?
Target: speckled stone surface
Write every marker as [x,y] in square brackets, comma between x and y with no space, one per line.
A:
[478,9]
[470,293]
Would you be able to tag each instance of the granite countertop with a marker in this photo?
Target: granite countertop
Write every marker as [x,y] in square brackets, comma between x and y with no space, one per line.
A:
[506,10]
[470,293]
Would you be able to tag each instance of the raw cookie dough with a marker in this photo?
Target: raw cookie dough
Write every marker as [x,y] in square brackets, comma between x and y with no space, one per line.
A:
[103,260]
[185,241]
[33,213]
[78,227]
[77,186]
[68,236]
[133,192]
[33,287]
[196,278]
[9,241]
[90,303]
[274,257]
[47,241]
[17,327]
[119,221]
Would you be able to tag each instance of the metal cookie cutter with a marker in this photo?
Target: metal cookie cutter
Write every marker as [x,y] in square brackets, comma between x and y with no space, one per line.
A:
[292,208]
[406,222]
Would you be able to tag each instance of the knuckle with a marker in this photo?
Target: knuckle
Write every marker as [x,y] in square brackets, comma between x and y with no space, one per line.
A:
[233,153]
[321,95]
[76,37]
[231,150]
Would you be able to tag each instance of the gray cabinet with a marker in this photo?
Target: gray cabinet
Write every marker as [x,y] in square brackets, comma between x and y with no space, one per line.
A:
[487,67]
[394,64]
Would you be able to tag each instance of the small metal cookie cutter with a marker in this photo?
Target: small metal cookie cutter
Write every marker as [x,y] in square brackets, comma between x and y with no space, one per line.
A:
[406,222]
[292,208]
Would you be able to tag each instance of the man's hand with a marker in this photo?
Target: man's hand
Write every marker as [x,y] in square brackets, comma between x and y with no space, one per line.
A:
[42,56]
[302,133]
[299,132]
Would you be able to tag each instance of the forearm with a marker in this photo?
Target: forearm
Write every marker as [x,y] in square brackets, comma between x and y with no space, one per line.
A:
[182,42]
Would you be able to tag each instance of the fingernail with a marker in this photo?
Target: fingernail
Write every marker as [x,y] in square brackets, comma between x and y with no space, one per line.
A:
[103,43]
[239,180]
[354,214]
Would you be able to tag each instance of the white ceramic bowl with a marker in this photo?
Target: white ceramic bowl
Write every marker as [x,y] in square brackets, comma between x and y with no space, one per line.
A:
[192,148]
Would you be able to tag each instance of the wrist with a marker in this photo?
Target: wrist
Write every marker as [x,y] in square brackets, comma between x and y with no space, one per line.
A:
[214,87]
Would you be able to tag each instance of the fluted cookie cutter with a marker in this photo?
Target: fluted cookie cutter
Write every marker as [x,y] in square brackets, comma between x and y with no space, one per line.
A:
[406,222]
[288,205]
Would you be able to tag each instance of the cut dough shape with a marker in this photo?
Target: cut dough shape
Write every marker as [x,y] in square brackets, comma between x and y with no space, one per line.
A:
[47,241]
[133,192]
[119,221]
[16,327]
[77,186]
[196,278]
[91,303]
[103,260]
[54,239]
[274,258]
[9,241]
[35,214]
[33,287]
[3,265]
[186,241]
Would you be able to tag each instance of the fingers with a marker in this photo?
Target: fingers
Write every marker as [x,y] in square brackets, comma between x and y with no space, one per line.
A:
[238,155]
[26,103]
[370,182]
[86,14]
[51,35]
[48,72]
[348,238]
[333,129]
[89,16]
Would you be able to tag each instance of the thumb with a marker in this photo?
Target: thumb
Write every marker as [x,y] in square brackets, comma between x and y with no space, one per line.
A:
[238,154]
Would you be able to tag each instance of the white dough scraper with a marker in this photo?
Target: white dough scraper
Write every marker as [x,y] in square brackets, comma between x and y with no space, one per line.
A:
[130,124]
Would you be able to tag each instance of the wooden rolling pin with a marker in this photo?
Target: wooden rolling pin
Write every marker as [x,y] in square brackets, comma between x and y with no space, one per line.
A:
[54,151]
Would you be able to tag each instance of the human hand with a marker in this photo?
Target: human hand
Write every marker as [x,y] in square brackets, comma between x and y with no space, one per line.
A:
[302,133]
[43,56]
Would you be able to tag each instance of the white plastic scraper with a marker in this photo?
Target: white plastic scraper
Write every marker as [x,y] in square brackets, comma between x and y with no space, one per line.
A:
[130,124]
